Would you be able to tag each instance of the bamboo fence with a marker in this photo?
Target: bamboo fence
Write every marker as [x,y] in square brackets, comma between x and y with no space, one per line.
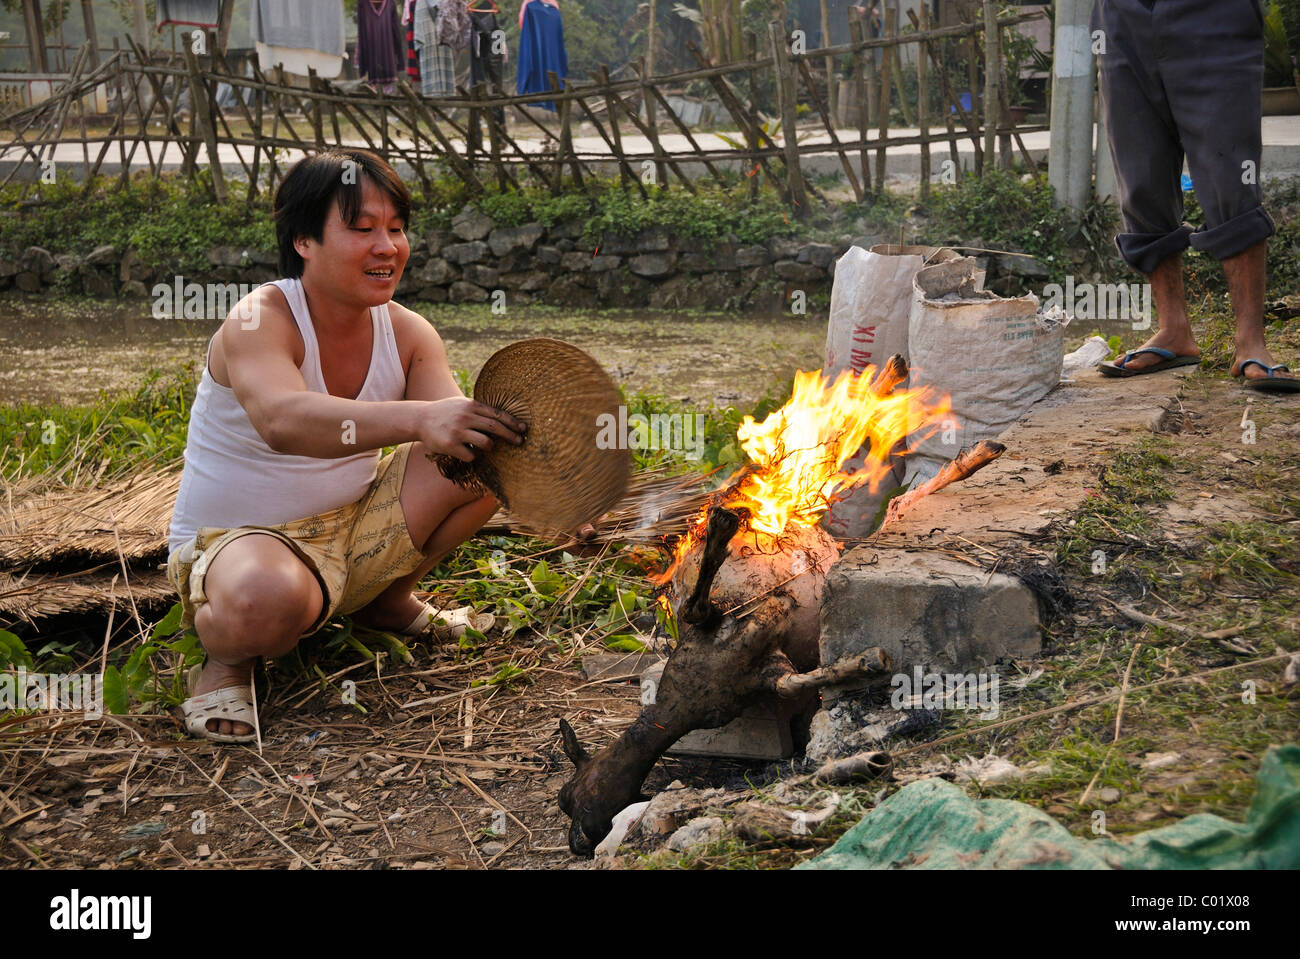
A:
[166,112]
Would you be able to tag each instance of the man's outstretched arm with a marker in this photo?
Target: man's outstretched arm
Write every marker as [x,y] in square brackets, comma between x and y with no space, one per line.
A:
[292,419]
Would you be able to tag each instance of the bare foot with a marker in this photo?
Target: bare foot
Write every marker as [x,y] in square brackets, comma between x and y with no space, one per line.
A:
[1180,344]
[216,676]
[1253,372]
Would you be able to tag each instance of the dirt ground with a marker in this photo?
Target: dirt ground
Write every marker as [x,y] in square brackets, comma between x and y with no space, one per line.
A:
[430,770]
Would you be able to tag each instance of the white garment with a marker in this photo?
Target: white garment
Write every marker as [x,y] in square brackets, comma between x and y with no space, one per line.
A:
[283,32]
[298,60]
[232,478]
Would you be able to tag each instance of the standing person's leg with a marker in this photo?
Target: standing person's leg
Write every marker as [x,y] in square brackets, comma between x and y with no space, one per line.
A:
[1148,158]
[1215,68]
[1246,281]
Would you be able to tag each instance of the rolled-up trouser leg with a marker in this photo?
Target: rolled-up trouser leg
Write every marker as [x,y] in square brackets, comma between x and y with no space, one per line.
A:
[1144,141]
[1211,58]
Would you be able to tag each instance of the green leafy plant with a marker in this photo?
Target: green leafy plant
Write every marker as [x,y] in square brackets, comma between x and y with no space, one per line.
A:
[1277,47]
[13,652]
[1009,213]
[120,432]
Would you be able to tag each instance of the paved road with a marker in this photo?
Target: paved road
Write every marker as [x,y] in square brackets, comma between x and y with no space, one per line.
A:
[1281,151]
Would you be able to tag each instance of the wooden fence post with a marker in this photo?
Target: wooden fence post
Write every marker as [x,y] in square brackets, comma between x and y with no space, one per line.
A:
[317,126]
[860,59]
[626,174]
[852,177]
[992,70]
[882,104]
[651,122]
[832,94]
[203,114]
[923,105]
[891,30]
[751,134]
[785,88]
[950,103]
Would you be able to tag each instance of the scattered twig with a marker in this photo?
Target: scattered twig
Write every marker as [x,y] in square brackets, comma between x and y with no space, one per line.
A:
[1139,617]
[240,806]
[1119,716]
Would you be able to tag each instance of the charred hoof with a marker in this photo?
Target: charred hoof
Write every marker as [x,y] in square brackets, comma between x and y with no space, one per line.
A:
[580,844]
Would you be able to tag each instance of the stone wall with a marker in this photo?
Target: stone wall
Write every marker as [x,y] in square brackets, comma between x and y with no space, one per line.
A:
[475,258]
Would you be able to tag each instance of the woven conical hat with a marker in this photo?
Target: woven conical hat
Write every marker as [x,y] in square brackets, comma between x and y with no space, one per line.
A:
[560,477]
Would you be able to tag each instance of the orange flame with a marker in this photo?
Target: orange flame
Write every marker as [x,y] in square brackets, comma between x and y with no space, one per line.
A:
[797,453]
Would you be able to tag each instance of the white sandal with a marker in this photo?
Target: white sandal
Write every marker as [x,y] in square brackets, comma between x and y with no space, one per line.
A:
[235,704]
[448,623]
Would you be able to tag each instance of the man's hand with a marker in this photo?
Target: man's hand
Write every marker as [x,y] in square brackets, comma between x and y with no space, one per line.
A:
[461,427]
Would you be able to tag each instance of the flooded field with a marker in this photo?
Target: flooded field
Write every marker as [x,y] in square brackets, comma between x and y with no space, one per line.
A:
[68,351]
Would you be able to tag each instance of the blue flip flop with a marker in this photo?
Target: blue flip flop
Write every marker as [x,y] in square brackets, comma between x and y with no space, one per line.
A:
[1168,361]
[1270,383]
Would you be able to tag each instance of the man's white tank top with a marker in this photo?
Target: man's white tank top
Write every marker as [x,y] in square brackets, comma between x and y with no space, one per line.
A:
[232,478]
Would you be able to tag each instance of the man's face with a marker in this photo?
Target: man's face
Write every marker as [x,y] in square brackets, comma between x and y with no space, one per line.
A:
[361,263]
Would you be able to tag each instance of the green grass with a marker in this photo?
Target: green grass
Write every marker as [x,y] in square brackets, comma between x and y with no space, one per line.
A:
[115,434]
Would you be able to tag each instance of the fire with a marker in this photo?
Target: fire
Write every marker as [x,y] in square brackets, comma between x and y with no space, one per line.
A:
[797,454]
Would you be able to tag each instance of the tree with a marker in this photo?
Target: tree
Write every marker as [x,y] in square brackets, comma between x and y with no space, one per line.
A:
[720,26]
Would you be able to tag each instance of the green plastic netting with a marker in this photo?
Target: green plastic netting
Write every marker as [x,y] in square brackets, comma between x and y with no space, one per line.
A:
[932,824]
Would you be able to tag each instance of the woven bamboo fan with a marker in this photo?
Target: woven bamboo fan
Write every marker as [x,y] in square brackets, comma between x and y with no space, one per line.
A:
[560,477]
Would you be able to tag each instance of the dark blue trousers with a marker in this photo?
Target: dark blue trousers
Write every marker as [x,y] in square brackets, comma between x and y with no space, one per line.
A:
[1183,77]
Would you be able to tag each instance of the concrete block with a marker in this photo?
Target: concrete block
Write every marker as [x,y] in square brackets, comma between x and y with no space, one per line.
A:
[925,609]
[761,732]
[611,666]
[757,733]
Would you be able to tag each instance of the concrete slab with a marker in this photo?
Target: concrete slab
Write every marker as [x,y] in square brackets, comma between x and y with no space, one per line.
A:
[1046,469]
[757,733]
[619,666]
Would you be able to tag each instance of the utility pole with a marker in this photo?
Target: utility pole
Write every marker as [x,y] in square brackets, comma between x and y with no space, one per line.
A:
[1069,164]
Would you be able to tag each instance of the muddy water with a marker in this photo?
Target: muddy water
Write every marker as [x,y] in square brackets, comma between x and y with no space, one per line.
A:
[68,351]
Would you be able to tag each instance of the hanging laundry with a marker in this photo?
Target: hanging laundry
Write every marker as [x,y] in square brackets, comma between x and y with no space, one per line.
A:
[412,55]
[541,48]
[486,60]
[437,60]
[380,45]
[453,23]
[189,13]
[554,3]
[283,36]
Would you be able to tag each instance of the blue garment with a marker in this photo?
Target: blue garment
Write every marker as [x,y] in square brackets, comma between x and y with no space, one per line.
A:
[541,49]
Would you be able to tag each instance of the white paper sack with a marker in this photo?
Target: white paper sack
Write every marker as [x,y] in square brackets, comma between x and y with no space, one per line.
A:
[994,356]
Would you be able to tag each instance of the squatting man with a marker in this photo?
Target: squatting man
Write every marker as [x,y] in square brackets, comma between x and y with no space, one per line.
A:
[287,515]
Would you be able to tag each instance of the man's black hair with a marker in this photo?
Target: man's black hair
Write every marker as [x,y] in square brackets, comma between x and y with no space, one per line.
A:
[303,201]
